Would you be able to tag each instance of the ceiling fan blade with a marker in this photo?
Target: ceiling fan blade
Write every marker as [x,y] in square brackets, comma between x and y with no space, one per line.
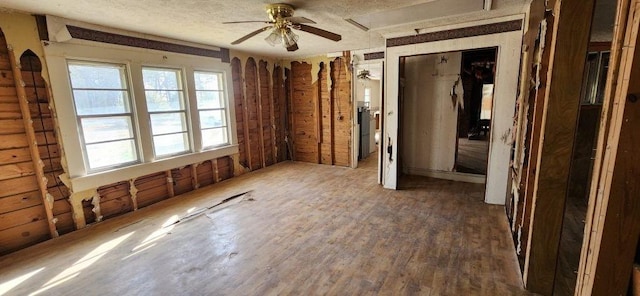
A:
[320,32]
[254,33]
[299,20]
[245,22]
[293,47]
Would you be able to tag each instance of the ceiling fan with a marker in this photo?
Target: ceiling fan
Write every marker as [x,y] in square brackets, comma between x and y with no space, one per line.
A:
[282,23]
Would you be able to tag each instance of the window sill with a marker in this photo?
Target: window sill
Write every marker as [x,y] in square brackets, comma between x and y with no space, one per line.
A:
[96,180]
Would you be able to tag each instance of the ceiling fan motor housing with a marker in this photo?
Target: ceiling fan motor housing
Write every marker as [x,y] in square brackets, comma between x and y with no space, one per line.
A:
[279,11]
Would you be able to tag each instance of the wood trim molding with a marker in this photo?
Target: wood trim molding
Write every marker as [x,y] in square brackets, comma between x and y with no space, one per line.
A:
[374,56]
[112,38]
[488,29]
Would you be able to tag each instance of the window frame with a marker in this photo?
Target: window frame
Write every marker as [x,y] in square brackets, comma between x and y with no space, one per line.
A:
[186,110]
[126,77]
[78,177]
[366,96]
[224,97]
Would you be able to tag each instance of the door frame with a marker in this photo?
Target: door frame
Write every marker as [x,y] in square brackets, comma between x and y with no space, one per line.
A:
[509,45]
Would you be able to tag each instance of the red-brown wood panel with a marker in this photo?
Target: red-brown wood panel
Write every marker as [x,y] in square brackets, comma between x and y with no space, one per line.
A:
[326,108]
[240,104]
[252,99]
[303,113]
[265,109]
[341,93]
[280,112]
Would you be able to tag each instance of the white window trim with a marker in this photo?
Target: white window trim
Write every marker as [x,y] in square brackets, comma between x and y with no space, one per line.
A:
[187,111]
[57,54]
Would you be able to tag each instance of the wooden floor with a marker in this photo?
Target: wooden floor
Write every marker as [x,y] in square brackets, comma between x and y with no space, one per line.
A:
[570,246]
[472,156]
[302,229]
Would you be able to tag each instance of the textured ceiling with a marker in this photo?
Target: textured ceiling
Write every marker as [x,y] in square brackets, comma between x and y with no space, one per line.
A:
[200,20]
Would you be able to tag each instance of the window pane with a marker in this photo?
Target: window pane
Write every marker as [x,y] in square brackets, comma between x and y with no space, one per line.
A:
[165,123]
[165,79]
[104,129]
[95,102]
[170,144]
[209,99]
[207,81]
[213,118]
[111,153]
[97,76]
[158,101]
[214,137]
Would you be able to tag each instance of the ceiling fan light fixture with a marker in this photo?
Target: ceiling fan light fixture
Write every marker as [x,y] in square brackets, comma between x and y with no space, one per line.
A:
[289,38]
[273,38]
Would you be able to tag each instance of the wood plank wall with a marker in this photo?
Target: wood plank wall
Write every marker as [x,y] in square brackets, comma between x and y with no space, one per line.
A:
[39,100]
[279,114]
[303,114]
[23,220]
[261,113]
[342,111]
[260,103]
[321,112]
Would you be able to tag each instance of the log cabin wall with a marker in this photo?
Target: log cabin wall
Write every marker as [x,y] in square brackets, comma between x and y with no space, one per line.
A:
[321,111]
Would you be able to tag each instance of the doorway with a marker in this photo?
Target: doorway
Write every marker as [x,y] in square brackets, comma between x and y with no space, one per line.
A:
[446,108]
[475,111]
[368,92]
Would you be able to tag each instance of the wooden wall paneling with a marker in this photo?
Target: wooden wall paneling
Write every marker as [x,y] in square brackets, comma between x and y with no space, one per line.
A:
[41,105]
[170,183]
[279,113]
[525,93]
[225,167]
[276,82]
[241,113]
[289,133]
[266,114]
[115,199]
[182,180]
[534,126]
[570,38]
[21,217]
[216,171]
[615,225]
[194,176]
[341,92]
[152,188]
[272,118]
[19,201]
[317,113]
[254,124]
[205,174]
[89,214]
[28,234]
[303,114]
[32,143]
[325,101]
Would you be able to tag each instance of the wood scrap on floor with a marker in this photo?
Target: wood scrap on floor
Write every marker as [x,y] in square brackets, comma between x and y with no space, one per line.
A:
[226,202]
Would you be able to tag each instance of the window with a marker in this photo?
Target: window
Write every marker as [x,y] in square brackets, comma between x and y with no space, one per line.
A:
[167,111]
[103,110]
[211,108]
[367,96]
[126,113]
[595,77]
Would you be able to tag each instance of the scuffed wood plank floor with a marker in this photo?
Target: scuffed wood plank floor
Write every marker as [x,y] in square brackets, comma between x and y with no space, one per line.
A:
[303,229]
